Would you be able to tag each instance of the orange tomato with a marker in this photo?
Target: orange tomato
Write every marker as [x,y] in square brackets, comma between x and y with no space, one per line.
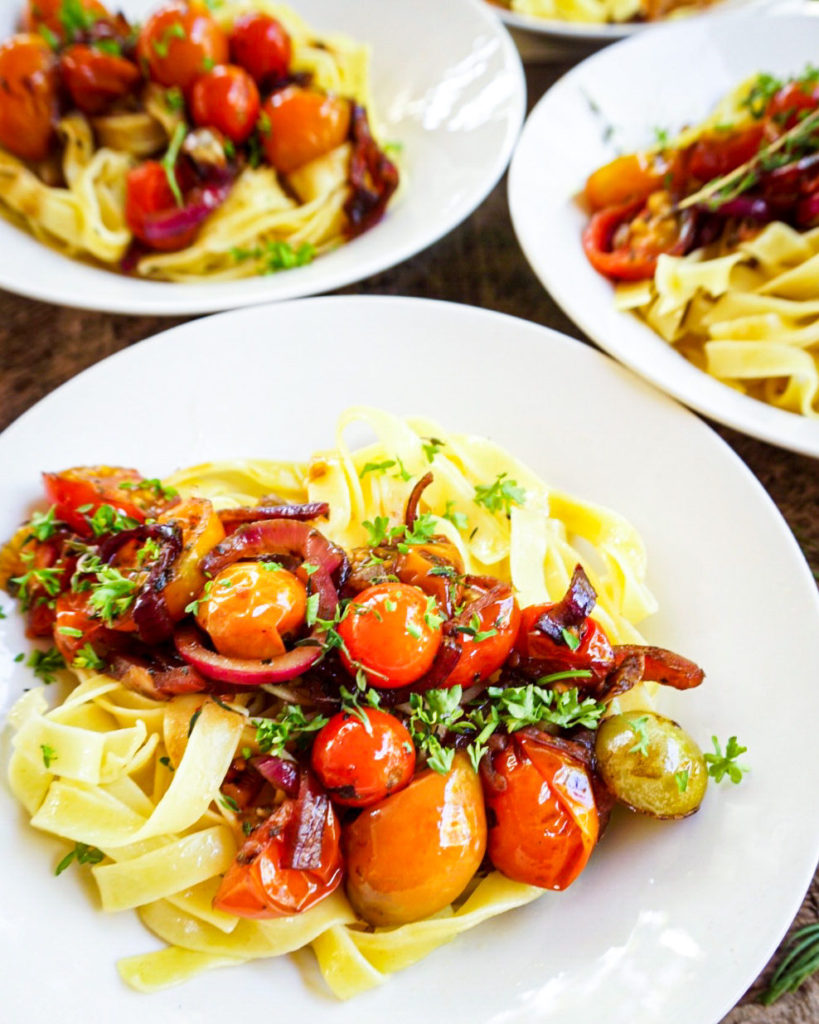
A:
[626,178]
[227,99]
[360,764]
[64,21]
[28,87]
[72,613]
[249,608]
[180,42]
[544,820]
[298,125]
[389,631]
[413,853]
[592,653]
[201,530]
[95,79]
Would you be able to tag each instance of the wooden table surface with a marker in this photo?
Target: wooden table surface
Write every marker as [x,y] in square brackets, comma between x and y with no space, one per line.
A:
[479,263]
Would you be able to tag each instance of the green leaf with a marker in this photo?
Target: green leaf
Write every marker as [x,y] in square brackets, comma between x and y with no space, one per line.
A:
[500,495]
[720,765]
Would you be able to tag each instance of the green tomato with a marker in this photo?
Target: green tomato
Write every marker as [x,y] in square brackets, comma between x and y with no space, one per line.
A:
[651,764]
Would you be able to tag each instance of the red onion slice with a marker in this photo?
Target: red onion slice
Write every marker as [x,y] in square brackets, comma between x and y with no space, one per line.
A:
[243,672]
[231,518]
[306,828]
[411,513]
[282,774]
[572,610]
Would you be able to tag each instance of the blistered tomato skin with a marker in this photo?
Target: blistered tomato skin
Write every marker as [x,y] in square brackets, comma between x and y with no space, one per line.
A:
[361,764]
[544,821]
[180,42]
[413,853]
[260,45]
[389,631]
[249,609]
[593,653]
[28,96]
[483,655]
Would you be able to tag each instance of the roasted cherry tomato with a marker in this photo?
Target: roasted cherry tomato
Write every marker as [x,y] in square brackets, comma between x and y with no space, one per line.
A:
[64,19]
[413,853]
[148,192]
[92,486]
[96,79]
[72,614]
[422,565]
[390,632]
[227,99]
[792,98]
[180,42]
[487,641]
[249,608]
[298,125]
[625,179]
[616,250]
[261,46]
[360,764]
[543,818]
[716,153]
[593,651]
[259,884]
[201,531]
[28,96]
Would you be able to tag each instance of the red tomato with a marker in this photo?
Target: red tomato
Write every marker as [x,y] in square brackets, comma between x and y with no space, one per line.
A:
[543,819]
[28,86]
[96,79]
[481,657]
[53,14]
[717,153]
[298,125]
[180,42]
[624,262]
[148,192]
[249,608]
[386,632]
[625,179]
[593,653]
[261,46]
[94,486]
[789,101]
[72,613]
[360,764]
[227,99]
[257,884]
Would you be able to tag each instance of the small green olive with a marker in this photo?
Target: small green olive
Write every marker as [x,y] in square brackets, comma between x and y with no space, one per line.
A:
[651,764]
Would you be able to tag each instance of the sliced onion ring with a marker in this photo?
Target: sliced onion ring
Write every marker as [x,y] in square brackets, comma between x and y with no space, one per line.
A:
[243,672]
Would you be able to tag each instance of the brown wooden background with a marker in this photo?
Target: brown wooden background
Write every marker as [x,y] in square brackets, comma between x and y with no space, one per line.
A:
[41,346]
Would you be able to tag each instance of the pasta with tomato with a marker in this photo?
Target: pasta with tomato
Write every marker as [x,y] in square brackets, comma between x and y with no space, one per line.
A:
[285,682]
[215,142]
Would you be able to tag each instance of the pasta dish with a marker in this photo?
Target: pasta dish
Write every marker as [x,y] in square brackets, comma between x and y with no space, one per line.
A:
[361,703]
[216,141]
[602,11]
[713,239]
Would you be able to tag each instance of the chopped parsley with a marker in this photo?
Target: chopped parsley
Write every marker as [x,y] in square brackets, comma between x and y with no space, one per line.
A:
[638,727]
[458,519]
[500,495]
[276,256]
[36,579]
[161,46]
[83,854]
[170,158]
[45,663]
[49,754]
[43,525]
[273,734]
[87,657]
[720,765]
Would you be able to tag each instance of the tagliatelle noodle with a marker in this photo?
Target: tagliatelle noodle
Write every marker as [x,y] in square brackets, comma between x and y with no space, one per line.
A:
[595,11]
[139,779]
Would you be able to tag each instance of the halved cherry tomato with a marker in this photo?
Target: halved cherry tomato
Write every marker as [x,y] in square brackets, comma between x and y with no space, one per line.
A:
[201,531]
[249,608]
[64,19]
[298,125]
[717,153]
[149,192]
[360,764]
[28,96]
[626,179]
[390,632]
[92,486]
[424,565]
[593,652]
[226,98]
[96,79]
[487,646]
[180,42]
[543,817]
[72,613]
[619,262]
[258,885]
[261,46]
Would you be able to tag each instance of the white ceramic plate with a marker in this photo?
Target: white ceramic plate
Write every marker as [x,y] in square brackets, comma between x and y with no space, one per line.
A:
[591,32]
[611,103]
[670,922]
[450,90]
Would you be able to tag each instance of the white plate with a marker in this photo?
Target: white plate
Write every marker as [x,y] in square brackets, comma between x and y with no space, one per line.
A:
[596,32]
[668,77]
[450,90]
[670,922]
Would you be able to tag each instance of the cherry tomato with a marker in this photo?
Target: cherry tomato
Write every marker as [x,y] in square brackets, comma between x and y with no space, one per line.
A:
[248,609]
[593,653]
[413,853]
[717,153]
[298,125]
[93,486]
[484,650]
[96,79]
[180,42]
[626,261]
[148,192]
[543,817]
[792,98]
[72,613]
[54,14]
[420,566]
[201,531]
[627,178]
[28,87]
[386,631]
[257,884]
[261,46]
[226,98]
[360,764]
